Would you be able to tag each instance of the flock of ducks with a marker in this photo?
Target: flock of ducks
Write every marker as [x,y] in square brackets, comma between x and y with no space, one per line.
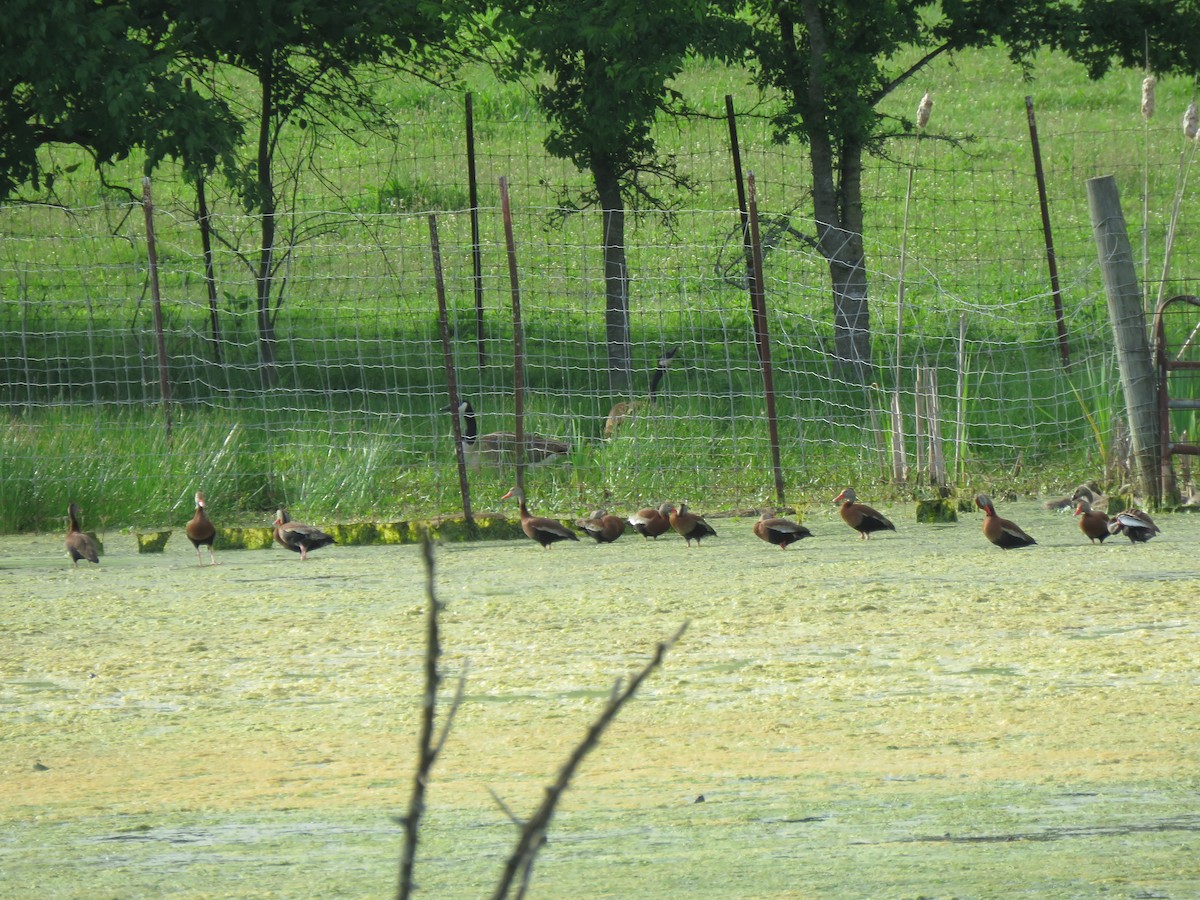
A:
[651,523]
[295,536]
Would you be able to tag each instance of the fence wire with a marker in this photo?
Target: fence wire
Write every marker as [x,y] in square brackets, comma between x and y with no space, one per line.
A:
[359,375]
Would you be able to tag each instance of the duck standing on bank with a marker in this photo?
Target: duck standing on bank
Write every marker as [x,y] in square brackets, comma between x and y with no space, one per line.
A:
[651,522]
[298,537]
[80,545]
[781,532]
[1004,534]
[689,525]
[544,531]
[201,532]
[1134,524]
[862,518]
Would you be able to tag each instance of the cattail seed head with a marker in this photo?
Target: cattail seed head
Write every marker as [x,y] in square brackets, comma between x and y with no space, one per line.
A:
[1148,96]
[1191,121]
[923,110]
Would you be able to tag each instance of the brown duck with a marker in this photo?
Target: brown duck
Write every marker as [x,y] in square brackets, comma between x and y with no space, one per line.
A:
[79,544]
[544,531]
[651,522]
[782,532]
[200,531]
[298,537]
[689,525]
[1092,522]
[1004,534]
[862,518]
[602,527]
[1134,524]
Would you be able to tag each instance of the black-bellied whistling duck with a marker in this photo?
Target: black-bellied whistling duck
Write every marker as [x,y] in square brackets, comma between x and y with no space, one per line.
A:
[651,522]
[627,409]
[200,531]
[79,544]
[780,531]
[1004,534]
[544,531]
[1092,522]
[1134,524]
[298,537]
[860,517]
[500,446]
[689,525]
[602,526]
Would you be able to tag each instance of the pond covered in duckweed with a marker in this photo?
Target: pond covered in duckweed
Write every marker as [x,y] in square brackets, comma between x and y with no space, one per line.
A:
[917,715]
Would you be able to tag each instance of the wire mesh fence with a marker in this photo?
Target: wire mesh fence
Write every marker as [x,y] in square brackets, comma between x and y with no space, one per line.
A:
[360,387]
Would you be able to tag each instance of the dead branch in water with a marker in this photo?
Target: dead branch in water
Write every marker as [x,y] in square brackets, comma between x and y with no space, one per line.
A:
[533,831]
[428,747]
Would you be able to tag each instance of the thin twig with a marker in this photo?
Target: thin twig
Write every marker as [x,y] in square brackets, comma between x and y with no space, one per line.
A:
[533,834]
[427,748]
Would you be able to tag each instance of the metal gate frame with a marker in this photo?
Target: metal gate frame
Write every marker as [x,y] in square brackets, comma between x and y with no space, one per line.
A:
[1164,366]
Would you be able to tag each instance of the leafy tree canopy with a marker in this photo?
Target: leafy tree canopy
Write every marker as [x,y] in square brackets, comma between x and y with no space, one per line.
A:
[608,68]
[100,76]
[1161,35]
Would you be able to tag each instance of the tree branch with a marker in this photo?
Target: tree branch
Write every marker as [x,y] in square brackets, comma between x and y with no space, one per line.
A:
[428,748]
[533,834]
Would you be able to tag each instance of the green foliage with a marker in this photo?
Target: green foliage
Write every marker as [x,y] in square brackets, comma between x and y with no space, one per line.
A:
[106,78]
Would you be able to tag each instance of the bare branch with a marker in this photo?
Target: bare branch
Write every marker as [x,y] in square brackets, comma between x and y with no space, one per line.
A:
[427,748]
[533,835]
[512,816]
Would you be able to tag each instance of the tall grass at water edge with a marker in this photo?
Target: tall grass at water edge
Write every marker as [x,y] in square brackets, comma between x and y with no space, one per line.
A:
[341,461]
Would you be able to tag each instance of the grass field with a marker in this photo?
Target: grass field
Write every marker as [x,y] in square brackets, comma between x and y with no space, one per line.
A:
[921,715]
[357,427]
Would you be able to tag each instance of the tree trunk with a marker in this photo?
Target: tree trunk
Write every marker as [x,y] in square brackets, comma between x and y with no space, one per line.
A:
[838,206]
[616,278]
[266,200]
[837,201]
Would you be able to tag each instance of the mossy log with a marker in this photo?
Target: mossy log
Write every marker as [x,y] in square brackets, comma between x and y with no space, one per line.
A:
[152,541]
[935,511]
[243,538]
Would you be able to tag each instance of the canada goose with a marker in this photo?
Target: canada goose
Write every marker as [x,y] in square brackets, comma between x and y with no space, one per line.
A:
[627,409]
[499,446]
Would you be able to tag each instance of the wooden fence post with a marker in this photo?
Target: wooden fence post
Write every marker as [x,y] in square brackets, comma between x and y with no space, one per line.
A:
[1129,330]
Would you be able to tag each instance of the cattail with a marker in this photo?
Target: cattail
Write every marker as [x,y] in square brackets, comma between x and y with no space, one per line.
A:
[1191,121]
[923,110]
[1148,96]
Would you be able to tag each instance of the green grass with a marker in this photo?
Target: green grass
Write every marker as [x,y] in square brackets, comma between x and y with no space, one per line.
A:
[355,427]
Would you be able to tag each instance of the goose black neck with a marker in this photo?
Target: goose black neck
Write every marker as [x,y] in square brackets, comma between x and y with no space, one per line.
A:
[661,370]
[470,429]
